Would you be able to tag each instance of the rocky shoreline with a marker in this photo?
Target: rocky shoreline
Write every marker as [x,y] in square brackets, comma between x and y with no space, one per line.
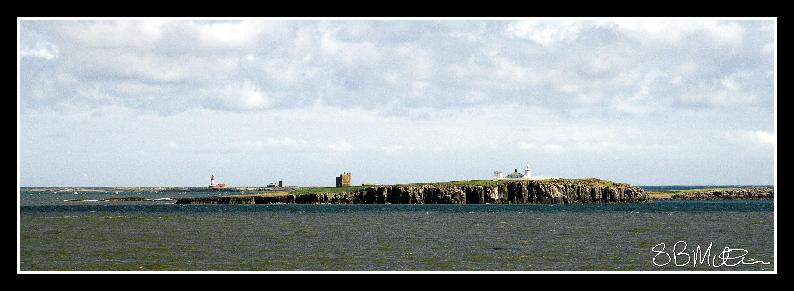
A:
[726,194]
[558,191]
[508,192]
[120,199]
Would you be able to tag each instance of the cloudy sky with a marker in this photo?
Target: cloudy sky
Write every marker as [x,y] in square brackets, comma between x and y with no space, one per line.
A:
[169,102]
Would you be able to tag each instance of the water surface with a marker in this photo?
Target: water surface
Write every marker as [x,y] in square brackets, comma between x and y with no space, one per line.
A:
[163,236]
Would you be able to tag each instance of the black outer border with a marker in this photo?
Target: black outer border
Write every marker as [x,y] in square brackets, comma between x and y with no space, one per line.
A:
[486,281]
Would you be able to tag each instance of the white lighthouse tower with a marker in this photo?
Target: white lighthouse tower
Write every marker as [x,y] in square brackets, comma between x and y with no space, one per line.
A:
[527,172]
[212,180]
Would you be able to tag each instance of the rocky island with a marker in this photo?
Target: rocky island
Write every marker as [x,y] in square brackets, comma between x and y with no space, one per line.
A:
[726,194]
[496,191]
[553,191]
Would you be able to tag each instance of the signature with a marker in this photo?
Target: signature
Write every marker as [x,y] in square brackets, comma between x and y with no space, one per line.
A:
[728,257]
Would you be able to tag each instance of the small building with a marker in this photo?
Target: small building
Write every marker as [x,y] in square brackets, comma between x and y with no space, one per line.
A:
[515,175]
[526,175]
[279,184]
[343,180]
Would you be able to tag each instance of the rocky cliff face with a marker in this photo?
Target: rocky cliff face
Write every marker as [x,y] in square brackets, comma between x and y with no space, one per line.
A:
[513,192]
[727,194]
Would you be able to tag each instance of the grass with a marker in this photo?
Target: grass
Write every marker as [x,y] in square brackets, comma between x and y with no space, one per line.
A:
[588,182]
[466,183]
[318,190]
[302,191]
[321,190]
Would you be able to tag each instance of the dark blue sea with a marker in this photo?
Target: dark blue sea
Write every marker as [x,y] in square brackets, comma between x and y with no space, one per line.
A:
[160,235]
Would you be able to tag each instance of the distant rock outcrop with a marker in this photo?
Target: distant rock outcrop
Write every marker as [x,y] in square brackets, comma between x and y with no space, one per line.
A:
[488,192]
[726,194]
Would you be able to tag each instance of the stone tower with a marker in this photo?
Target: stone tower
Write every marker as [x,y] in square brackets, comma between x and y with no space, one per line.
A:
[343,180]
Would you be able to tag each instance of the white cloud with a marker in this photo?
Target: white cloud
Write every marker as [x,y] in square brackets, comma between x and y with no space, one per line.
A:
[405,88]
[287,142]
[509,71]
[670,31]
[545,32]
[348,53]
[419,61]
[752,138]
[138,88]
[180,64]
[244,96]
[171,145]
[340,146]
[764,137]
[144,66]
[123,34]
[285,73]
[392,148]
[251,145]
[229,34]
[676,31]
[622,146]
[768,48]
[723,97]
[526,145]
[553,148]
[42,49]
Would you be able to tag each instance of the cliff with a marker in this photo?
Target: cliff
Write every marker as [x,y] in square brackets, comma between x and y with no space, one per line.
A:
[464,192]
[726,194]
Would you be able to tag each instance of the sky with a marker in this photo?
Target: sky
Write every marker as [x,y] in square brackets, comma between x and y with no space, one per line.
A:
[168,102]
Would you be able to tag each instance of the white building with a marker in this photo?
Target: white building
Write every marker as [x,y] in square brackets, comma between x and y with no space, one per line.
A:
[515,175]
[527,175]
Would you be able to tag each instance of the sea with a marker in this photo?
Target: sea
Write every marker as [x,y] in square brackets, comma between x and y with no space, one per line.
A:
[58,235]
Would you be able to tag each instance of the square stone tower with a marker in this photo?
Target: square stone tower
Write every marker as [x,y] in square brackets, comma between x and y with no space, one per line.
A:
[343,180]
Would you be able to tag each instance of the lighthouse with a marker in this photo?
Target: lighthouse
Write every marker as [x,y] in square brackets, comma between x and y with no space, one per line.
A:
[527,171]
[214,185]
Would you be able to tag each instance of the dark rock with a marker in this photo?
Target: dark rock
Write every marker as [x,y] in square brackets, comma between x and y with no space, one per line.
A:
[515,192]
[727,194]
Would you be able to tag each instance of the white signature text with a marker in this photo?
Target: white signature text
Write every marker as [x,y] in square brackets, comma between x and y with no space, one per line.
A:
[680,256]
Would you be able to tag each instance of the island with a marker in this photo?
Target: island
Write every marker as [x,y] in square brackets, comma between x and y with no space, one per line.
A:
[494,191]
[745,193]
[551,191]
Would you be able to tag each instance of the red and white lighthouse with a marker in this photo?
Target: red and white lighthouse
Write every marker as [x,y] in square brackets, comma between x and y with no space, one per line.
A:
[214,185]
